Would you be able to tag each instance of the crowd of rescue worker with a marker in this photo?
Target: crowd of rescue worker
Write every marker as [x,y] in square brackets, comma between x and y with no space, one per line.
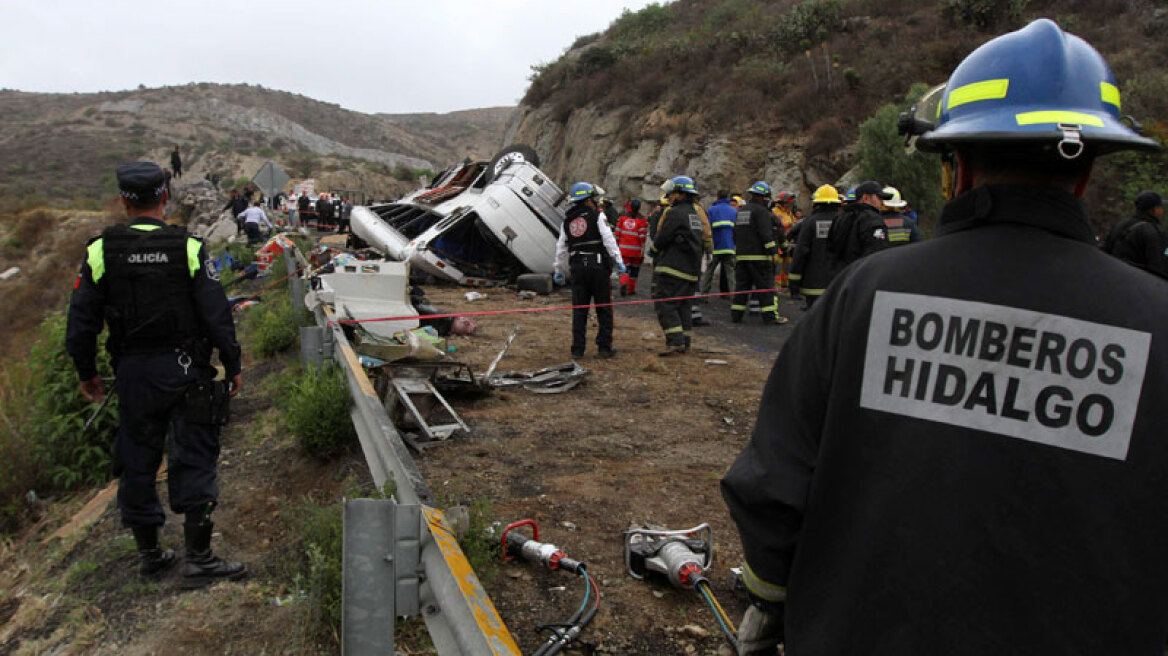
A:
[759,245]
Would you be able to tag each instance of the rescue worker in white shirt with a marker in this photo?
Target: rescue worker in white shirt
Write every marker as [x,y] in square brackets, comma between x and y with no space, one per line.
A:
[898,228]
[957,459]
[813,266]
[252,218]
[586,251]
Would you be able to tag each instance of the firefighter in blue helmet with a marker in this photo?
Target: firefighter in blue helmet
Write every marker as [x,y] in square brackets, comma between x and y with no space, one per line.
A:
[757,250]
[957,459]
[677,263]
[586,251]
[155,287]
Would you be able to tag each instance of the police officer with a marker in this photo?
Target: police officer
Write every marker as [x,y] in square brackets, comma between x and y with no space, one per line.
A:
[860,229]
[755,242]
[677,263]
[958,459]
[814,267]
[1141,240]
[154,286]
[587,249]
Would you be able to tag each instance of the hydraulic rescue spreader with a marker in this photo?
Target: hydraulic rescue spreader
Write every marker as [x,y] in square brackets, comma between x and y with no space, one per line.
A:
[517,545]
[683,557]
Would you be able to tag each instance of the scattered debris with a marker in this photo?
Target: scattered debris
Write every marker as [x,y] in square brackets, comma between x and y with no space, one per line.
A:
[10,273]
[549,380]
[415,403]
[475,296]
[716,362]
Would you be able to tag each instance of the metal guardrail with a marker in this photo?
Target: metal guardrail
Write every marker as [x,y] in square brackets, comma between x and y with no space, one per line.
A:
[459,615]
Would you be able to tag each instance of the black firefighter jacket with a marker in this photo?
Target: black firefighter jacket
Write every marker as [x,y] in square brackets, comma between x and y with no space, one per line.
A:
[814,266]
[677,246]
[954,458]
[1140,241]
[754,234]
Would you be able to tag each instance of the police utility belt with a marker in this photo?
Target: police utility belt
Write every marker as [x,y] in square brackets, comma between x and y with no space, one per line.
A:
[585,258]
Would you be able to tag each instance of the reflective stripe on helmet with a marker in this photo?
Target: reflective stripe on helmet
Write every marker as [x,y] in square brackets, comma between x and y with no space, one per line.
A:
[1035,118]
[1110,93]
[985,90]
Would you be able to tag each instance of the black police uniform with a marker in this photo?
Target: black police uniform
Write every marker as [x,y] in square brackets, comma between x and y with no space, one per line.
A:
[813,266]
[983,451]
[677,264]
[590,268]
[755,242]
[1140,241]
[165,309]
[857,232]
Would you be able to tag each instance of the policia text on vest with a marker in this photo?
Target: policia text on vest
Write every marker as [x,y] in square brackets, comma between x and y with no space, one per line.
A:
[1038,377]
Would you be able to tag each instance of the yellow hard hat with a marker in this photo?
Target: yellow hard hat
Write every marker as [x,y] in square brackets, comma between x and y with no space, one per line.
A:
[826,194]
[738,199]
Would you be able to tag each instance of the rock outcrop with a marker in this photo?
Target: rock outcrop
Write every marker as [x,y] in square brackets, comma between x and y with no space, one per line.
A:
[631,153]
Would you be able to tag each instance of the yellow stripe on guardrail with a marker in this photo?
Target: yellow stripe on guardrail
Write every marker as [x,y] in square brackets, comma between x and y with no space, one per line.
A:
[486,616]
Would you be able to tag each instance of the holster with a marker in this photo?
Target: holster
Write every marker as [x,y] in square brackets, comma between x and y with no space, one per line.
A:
[207,402]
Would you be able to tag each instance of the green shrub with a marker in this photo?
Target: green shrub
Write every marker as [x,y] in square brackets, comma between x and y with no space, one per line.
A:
[69,456]
[272,326]
[882,157]
[480,545]
[266,151]
[42,446]
[317,411]
[322,530]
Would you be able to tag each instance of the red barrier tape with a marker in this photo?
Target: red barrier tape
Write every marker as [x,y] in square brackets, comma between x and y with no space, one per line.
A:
[488,313]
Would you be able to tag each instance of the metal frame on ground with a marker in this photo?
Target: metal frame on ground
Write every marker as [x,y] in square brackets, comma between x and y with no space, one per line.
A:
[459,615]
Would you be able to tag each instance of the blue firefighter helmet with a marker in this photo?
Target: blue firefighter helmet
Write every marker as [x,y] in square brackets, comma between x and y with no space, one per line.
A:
[1037,86]
[760,188]
[682,183]
[850,197]
[582,191]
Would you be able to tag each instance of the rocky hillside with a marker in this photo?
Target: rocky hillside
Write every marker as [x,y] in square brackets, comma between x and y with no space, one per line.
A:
[65,145]
[729,91]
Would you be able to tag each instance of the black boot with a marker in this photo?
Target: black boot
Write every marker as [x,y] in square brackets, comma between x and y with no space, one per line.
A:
[203,568]
[152,560]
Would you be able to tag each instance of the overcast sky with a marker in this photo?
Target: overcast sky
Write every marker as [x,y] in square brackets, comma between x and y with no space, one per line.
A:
[369,55]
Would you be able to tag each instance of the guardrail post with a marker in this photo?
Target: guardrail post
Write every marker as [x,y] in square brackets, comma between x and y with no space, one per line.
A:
[379,550]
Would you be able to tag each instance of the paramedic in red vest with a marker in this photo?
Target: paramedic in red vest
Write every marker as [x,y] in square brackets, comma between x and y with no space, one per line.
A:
[631,232]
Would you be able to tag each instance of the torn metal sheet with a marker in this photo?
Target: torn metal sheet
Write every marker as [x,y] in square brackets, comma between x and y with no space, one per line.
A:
[549,380]
[370,290]
[506,345]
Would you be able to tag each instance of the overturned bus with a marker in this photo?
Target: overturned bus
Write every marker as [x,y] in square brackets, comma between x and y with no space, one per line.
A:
[478,223]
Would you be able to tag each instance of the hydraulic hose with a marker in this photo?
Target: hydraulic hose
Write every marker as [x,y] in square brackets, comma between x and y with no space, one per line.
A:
[724,621]
[564,633]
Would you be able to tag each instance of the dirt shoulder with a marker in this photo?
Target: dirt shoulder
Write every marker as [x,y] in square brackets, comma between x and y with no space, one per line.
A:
[643,440]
